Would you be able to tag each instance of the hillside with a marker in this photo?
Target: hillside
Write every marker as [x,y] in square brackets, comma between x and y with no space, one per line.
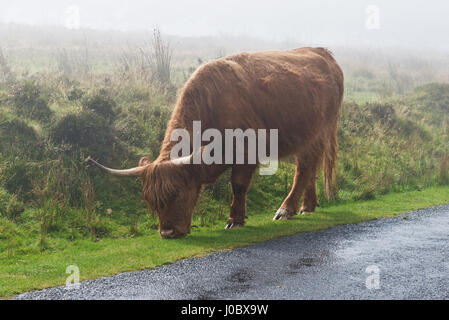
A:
[393,137]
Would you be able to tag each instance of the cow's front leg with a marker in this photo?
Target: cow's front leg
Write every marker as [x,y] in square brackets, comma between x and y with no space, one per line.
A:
[310,198]
[240,179]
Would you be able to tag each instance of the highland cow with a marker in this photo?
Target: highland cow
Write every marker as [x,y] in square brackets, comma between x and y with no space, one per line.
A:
[298,92]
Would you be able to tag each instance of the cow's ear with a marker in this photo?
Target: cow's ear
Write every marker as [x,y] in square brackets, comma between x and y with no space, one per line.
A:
[144,161]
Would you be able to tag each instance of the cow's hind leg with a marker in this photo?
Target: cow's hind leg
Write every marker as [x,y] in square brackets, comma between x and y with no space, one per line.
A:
[303,185]
[240,179]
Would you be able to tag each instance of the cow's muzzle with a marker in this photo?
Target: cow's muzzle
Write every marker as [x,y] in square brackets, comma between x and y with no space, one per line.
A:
[170,233]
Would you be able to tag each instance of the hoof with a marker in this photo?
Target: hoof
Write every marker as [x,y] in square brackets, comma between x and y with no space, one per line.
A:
[167,234]
[305,210]
[282,214]
[232,225]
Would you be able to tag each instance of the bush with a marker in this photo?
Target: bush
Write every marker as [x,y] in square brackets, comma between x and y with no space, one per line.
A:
[28,101]
[17,176]
[435,96]
[88,132]
[132,131]
[144,127]
[19,139]
[430,104]
[10,206]
[75,94]
[156,118]
[102,104]
[383,113]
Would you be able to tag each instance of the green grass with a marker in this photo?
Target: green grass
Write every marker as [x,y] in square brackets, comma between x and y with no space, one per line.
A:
[20,273]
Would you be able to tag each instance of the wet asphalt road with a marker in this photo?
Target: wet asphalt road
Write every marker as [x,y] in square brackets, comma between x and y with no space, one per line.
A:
[411,253]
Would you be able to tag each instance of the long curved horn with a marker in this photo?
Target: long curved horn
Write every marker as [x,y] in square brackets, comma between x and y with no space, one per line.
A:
[188,159]
[133,172]
[182,160]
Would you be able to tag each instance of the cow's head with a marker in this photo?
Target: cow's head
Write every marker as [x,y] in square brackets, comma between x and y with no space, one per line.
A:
[170,189]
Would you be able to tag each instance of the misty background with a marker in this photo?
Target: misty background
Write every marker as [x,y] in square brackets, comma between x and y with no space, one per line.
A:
[405,24]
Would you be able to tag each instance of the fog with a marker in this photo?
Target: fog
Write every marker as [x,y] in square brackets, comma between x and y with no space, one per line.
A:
[375,23]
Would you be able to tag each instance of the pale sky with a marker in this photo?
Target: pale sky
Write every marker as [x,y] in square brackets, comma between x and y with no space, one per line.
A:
[401,23]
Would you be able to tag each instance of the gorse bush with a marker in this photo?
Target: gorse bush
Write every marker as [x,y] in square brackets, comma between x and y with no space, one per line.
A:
[88,132]
[17,176]
[10,206]
[429,105]
[144,127]
[102,104]
[156,119]
[19,139]
[28,101]
[383,113]
[81,129]
[75,94]
[433,96]
[132,130]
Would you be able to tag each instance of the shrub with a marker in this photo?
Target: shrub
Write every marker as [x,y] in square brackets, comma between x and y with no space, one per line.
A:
[10,206]
[384,113]
[19,139]
[28,101]
[75,94]
[88,132]
[434,96]
[17,176]
[132,131]
[144,127]
[430,104]
[102,104]
[156,118]
[14,208]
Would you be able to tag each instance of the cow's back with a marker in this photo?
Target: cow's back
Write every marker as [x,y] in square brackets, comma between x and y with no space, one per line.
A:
[298,92]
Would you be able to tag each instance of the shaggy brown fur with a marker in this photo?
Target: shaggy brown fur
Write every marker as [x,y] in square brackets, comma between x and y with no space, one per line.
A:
[299,92]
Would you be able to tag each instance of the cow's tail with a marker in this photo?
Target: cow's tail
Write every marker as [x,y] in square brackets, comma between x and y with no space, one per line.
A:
[330,167]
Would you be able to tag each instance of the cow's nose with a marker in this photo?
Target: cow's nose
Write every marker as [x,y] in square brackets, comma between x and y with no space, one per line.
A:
[169,233]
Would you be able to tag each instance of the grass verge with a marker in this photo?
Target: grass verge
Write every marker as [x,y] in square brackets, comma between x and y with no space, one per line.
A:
[110,256]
